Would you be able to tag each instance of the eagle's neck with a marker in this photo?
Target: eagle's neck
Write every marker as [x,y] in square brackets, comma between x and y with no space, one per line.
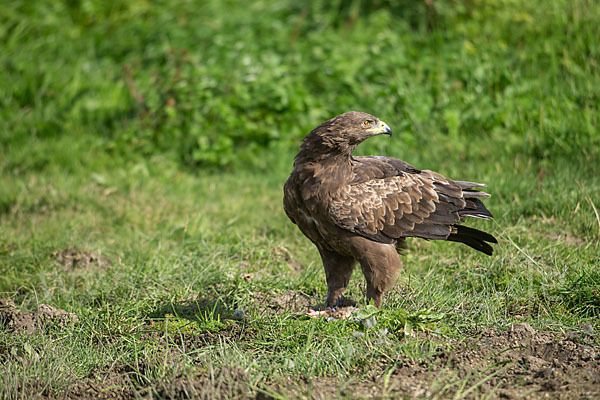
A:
[321,149]
[318,152]
[306,159]
[324,169]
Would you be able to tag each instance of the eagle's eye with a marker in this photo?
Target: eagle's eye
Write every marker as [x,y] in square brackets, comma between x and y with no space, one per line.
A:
[366,124]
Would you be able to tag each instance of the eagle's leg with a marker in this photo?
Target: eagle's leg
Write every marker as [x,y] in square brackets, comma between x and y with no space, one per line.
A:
[374,293]
[338,269]
[380,264]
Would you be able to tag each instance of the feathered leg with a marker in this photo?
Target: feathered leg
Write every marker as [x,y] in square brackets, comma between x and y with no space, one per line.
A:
[338,269]
[380,264]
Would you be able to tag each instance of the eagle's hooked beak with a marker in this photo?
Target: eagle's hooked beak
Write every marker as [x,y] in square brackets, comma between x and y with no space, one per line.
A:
[381,128]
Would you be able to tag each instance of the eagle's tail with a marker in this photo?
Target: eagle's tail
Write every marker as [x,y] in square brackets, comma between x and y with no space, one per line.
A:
[474,238]
[474,208]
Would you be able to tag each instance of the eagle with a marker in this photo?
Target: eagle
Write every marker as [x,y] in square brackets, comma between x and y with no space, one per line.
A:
[360,209]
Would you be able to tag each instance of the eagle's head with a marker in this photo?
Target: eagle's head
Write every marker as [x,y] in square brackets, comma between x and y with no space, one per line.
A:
[343,133]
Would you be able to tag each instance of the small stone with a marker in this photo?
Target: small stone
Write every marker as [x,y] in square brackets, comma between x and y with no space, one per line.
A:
[358,334]
[238,314]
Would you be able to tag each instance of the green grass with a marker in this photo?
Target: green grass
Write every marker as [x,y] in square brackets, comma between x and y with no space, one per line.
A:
[160,135]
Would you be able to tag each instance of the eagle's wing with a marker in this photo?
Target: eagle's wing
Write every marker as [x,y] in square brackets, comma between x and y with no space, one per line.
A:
[388,199]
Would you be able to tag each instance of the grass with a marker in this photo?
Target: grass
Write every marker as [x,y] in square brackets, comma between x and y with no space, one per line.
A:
[160,139]
[165,306]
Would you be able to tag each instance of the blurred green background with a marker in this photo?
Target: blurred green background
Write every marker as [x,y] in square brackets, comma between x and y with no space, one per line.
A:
[233,84]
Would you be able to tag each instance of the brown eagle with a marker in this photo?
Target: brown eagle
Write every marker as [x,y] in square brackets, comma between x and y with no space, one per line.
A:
[361,209]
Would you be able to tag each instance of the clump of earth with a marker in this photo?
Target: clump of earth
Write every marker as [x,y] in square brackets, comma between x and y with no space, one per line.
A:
[24,322]
[80,259]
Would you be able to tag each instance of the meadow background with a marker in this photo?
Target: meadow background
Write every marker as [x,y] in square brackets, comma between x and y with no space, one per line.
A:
[143,149]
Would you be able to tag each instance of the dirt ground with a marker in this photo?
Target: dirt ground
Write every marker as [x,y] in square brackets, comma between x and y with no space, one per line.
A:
[513,363]
[517,363]
[22,322]
[71,258]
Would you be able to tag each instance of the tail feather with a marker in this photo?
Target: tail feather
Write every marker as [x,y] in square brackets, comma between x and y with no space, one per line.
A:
[476,209]
[469,185]
[474,238]
[475,193]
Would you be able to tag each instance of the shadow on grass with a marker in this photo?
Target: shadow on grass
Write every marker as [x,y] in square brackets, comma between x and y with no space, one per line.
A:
[201,315]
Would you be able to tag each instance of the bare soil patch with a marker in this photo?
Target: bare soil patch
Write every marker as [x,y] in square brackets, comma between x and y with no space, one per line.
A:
[24,322]
[102,386]
[72,258]
[518,363]
[287,301]
[567,238]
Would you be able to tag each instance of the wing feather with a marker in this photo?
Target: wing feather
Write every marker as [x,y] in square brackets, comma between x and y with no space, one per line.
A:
[388,199]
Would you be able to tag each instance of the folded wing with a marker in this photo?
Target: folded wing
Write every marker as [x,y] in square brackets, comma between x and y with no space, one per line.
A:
[388,199]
